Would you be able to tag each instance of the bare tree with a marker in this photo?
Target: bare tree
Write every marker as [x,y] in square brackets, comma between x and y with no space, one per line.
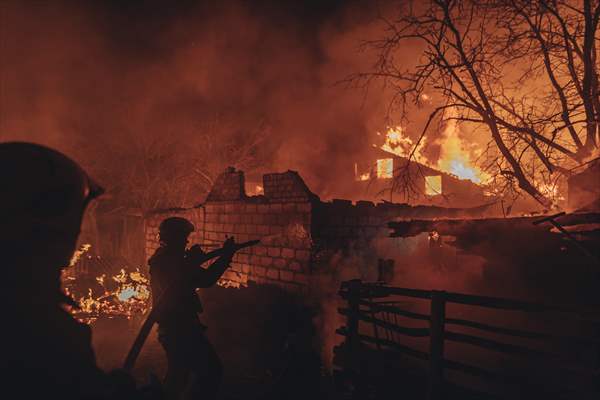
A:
[227,143]
[149,170]
[527,71]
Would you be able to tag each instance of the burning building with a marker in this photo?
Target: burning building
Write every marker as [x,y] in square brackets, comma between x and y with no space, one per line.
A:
[399,170]
[391,176]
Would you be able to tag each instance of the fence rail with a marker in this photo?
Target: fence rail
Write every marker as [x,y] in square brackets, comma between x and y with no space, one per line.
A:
[366,305]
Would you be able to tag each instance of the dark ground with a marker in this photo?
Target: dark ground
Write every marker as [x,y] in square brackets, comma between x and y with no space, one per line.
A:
[264,336]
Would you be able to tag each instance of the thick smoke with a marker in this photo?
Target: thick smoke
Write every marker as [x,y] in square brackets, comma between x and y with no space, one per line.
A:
[109,83]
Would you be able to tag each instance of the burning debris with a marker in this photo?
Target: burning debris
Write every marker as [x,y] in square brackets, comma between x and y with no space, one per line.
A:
[128,296]
[84,248]
[124,294]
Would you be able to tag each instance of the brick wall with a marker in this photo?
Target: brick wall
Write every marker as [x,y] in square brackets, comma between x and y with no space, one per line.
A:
[298,232]
[281,219]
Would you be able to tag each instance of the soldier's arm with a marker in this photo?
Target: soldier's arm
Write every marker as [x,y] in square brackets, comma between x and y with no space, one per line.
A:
[207,277]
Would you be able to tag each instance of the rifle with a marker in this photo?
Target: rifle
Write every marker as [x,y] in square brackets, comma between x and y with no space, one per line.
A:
[152,317]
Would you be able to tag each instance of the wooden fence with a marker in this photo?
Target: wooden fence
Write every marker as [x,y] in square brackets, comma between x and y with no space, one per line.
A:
[369,309]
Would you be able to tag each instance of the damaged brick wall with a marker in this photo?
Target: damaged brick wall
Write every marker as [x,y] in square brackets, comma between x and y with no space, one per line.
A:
[340,221]
[281,219]
[299,233]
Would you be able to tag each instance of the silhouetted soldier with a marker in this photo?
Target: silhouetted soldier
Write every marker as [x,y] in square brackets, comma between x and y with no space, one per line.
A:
[45,353]
[194,369]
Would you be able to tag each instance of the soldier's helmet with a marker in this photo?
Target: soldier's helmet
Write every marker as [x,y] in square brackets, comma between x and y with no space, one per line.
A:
[43,192]
[174,229]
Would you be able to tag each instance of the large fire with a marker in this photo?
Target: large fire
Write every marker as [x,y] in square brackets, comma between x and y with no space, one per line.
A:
[128,295]
[455,158]
[398,143]
[385,168]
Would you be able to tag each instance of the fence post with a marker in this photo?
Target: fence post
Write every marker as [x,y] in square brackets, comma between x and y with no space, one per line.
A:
[436,345]
[352,319]
[352,361]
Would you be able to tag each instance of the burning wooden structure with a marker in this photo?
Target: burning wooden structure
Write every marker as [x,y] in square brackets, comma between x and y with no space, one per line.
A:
[392,176]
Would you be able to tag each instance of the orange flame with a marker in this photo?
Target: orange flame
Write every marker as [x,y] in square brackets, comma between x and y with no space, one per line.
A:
[400,144]
[84,248]
[454,159]
[125,294]
[385,168]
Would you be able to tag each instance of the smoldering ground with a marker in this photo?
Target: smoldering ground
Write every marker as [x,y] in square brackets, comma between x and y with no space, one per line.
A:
[263,335]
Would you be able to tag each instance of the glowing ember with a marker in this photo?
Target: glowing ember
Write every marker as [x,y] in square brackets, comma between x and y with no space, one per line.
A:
[255,190]
[84,248]
[124,294]
[550,190]
[121,277]
[364,177]
[361,176]
[229,284]
[385,168]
